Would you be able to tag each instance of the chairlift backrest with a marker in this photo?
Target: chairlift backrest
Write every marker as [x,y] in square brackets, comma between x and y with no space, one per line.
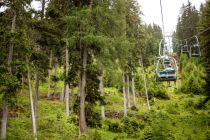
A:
[195,49]
[168,73]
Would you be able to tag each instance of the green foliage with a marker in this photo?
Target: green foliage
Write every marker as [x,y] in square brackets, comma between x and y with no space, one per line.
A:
[205,41]
[159,128]
[113,126]
[134,108]
[129,125]
[172,109]
[20,130]
[132,125]
[60,126]
[155,89]
[192,75]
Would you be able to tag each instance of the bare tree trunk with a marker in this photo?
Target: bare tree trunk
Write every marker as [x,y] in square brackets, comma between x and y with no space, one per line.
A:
[63,91]
[4,120]
[67,99]
[22,85]
[82,119]
[49,75]
[101,87]
[56,76]
[36,92]
[83,56]
[145,83]
[133,90]
[5,104]
[124,96]
[31,104]
[79,85]
[11,46]
[128,91]
[67,85]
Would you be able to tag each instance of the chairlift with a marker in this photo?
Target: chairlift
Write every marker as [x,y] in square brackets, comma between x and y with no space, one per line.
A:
[166,62]
[195,49]
[165,72]
[179,47]
[185,48]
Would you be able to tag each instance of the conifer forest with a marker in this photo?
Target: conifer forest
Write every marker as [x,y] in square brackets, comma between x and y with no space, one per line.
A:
[94,70]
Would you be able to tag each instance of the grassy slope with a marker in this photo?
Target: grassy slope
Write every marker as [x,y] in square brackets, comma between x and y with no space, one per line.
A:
[177,116]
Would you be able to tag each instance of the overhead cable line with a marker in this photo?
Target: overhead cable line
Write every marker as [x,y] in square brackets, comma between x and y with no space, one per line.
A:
[161,8]
[199,33]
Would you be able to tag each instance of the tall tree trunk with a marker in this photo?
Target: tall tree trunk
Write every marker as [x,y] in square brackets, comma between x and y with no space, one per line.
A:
[36,92]
[49,75]
[128,91]
[11,46]
[79,85]
[5,104]
[145,83]
[133,90]
[82,119]
[67,85]
[4,120]
[124,96]
[56,76]
[22,85]
[63,91]
[83,56]
[101,87]
[31,104]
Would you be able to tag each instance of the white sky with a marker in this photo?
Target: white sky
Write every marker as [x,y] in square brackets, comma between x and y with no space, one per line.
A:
[171,10]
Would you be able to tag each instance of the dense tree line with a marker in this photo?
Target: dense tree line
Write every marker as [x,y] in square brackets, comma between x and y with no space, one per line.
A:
[88,45]
[88,39]
[194,23]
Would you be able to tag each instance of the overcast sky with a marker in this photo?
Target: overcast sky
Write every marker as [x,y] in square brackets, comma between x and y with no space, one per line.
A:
[171,10]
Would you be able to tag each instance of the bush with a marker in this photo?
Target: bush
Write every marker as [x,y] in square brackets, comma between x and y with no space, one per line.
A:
[57,127]
[92,135]
[171,109]
[93,118]
[189,104]
[193,74]
[131,125]
[134,108]
[114,126]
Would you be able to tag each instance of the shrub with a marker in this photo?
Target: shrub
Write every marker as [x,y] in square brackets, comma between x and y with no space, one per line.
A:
[114,126]
[171,109]
[131,125]
[93,118]
[134,108]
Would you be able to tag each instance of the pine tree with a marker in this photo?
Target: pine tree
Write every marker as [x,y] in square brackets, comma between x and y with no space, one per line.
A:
[204,25]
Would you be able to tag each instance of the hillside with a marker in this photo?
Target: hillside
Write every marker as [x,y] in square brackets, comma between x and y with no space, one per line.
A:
[173,118]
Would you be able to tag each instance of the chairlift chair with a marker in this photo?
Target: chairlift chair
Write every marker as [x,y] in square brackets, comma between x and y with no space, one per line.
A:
[185,48]
[195,49]
[166,62]
[179,46]
[166,73]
